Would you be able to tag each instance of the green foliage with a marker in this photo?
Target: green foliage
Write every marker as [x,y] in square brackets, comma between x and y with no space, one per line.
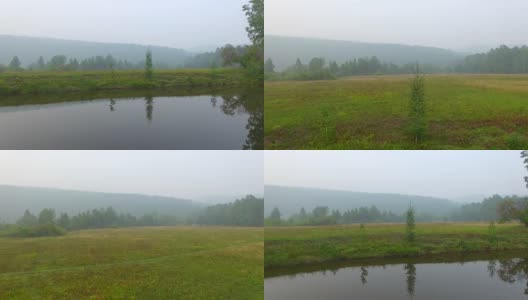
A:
[492,233]
[269,67]
[41,230]
[463,112]
[289,246]
[255,15]
[75,82]
[417,108]
[410,225]
[15,64]
[500,60]
[148,65]
[275,217]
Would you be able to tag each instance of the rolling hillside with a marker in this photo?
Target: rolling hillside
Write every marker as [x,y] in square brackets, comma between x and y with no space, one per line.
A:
[284,51]
[15,199]
[28,50]
[289,200]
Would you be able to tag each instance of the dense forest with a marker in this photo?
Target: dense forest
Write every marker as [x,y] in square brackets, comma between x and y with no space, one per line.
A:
[495,208]
[501,60]
[248,211]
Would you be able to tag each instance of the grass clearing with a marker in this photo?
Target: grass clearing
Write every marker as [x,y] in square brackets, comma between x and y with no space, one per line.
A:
[371,112]
[143,263]
[290,246]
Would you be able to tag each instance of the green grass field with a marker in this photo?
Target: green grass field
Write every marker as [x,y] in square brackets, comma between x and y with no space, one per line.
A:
[463,112]
[291,246]
[20,83]
[135,263]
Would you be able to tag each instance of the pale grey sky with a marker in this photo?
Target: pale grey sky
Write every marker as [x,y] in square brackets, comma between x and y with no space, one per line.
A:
[182,174]
[451,24]
[447,174]
[175,23]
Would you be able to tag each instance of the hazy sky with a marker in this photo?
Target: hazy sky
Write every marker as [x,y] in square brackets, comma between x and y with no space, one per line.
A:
[184,174]
[447,174]
[441,23]
[176,23]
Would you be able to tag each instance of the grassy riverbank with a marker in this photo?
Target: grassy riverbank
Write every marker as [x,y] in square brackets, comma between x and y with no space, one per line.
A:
[129,263]
[28,83]
[293,246]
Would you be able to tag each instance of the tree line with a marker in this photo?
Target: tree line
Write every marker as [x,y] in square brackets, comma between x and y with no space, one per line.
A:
[499,60]
[495,208]
[248,211]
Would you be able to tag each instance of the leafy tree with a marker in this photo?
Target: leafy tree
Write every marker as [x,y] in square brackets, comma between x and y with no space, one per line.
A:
[15,64]
[57,63]
[27,219]
[255,15]
[46,216]
[275,216]
[269,67]
[63,220]
[41,65]
[148,65]
[316,64]
[230,55]
[410,224]
[417,107]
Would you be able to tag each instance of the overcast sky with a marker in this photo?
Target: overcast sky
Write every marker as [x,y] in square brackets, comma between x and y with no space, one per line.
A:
[446,174]
[183,174]
[451,24]
[176,23]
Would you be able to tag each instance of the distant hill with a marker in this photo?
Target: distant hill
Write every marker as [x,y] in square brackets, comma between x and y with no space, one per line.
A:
[289,200]
[28,50]
[284,51]
[15,199]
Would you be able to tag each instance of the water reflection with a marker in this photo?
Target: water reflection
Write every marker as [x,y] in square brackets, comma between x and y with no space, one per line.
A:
[180,122]
[505,278]
[510,270]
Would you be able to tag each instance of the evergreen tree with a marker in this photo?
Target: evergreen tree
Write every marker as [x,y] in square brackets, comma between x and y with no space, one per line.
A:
[148,65]
[410,224]
[417,107]
[269,67]
[15,63]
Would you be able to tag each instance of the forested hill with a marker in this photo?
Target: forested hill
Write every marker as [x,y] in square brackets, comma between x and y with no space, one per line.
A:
[15,199]
[29,49]
[284,51]
[289,200]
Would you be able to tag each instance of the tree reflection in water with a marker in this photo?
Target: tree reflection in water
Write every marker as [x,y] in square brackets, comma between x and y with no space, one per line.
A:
[364,275]
[149,106]
[112,104]
[410,270]
[510,270]
[252,103]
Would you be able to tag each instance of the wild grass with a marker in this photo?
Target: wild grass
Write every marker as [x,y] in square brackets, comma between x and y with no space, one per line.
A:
[143,263]
[24,83]
[371,112]
[290,246]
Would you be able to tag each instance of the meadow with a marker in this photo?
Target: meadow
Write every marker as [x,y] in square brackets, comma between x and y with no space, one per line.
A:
[31,83]
[371,112]
[294,246]
[130,263]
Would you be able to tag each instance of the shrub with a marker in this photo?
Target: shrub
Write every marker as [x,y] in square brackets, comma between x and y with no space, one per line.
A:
[37,231]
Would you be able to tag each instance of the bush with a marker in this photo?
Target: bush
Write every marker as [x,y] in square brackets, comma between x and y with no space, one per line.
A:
[38,231]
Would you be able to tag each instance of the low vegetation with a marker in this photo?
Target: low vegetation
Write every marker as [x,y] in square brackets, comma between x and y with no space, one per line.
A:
[288,246]
[30,83]
[135,263]
[462,112]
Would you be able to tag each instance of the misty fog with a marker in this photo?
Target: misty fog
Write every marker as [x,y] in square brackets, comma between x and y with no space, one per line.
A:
[463,25]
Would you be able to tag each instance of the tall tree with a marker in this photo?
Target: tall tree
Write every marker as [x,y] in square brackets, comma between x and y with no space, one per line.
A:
[417,107]
[269,67]
[410,224]
[41,64]
[255,15]
[46,216]
[275,216]
[15,63]
[148,65]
